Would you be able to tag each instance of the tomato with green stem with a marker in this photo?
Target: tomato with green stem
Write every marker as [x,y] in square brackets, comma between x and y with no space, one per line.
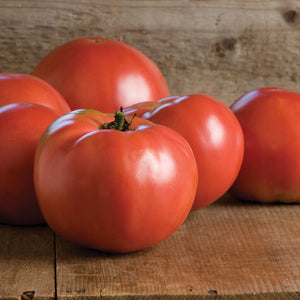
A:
[111,183]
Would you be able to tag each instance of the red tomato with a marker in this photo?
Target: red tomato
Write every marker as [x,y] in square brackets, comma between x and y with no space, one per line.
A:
[15,87]
[113,190]
[21,126]
[212,131]
[270,170]
[102,74]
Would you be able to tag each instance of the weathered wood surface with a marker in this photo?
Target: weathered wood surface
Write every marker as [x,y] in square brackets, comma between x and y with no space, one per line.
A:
[217,47]
[27,259]
[231,249]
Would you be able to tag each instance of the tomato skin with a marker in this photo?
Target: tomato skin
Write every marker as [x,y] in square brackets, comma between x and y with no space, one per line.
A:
[21,126]
[112,190]
[101,74]
[18,87]
[213,133]
[145,108]
[270,171]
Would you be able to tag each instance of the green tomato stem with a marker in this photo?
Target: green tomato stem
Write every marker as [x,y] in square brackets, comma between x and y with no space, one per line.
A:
[119,123]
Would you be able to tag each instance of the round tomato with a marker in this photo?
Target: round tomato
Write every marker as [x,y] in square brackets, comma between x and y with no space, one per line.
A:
[21,126]
[101,74]
[213,133]
[113,185]
[16,87]
[270,170]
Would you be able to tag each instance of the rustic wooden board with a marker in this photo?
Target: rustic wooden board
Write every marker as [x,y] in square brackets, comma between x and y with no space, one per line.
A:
[233,249]
[27,262]
[217,47]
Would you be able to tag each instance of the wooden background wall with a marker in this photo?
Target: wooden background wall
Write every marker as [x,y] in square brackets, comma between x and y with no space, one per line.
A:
[222,48]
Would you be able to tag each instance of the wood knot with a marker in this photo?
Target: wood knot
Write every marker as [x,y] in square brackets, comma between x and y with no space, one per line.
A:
[27,295]
[291,16]
[229,43]
[219,50]
[80,291]
[226,44]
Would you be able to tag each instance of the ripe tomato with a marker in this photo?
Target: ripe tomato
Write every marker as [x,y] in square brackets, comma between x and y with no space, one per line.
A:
[212,131]
[270,170]
[113,190]
[102,74]
[21,126]
[16,87]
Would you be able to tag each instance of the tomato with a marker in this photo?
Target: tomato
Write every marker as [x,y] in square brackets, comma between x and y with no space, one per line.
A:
[16,87]
[270,170]
[101,74]
[21,126]
[113,190]
[213,133]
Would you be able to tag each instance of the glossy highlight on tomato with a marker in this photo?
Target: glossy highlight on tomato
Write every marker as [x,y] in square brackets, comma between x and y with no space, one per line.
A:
[21,126]
[102,74]
[19,87]
[212,131]
[270,170]
[113,186]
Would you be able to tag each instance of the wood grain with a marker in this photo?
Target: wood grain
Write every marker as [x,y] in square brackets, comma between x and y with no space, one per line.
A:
[26,262]
[230,248]
[216,47]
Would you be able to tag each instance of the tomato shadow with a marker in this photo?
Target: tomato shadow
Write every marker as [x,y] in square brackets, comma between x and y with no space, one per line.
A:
[230,200]
[66,249]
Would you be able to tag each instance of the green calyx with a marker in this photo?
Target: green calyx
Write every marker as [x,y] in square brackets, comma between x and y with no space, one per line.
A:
[119,123]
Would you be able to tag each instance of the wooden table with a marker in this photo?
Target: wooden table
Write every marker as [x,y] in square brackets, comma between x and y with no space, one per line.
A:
[229,250]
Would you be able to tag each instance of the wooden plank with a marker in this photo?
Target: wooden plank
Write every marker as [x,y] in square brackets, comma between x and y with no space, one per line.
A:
[26,262]
[217,47]
[232,249]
